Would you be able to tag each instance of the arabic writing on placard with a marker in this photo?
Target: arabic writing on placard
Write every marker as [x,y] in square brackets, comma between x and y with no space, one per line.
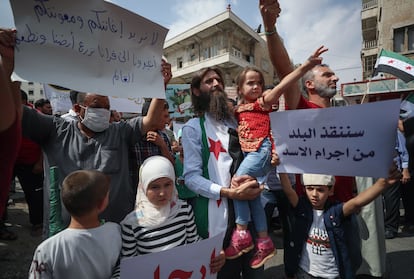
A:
[330,132]
[119,46]
[99,21]
[352,140]
[185,274]
[328,154]
[193,263]
[327,132]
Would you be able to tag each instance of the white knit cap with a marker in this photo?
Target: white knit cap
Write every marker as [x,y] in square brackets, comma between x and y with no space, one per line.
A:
[317,179]
[153,168]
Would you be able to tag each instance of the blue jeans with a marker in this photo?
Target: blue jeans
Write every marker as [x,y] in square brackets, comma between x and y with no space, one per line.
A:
[256,164]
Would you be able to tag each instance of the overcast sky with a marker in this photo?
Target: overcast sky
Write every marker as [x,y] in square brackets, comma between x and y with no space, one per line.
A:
[303,24]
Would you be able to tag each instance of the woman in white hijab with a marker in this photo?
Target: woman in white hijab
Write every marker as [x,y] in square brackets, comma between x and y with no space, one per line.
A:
[160,221]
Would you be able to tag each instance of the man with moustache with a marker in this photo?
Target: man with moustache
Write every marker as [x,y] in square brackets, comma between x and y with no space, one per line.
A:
[320,86]
[209,142]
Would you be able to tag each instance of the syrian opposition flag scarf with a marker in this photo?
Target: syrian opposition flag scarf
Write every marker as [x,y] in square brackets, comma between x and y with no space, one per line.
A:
[395,64]
[407,107]
[217,162]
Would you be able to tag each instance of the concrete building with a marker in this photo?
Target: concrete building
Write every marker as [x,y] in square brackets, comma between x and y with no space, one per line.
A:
[386,24]
[224,41]
[34,90]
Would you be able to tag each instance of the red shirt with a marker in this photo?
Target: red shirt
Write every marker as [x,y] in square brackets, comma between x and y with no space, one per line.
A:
[30,151]
[254,125]
[9,147]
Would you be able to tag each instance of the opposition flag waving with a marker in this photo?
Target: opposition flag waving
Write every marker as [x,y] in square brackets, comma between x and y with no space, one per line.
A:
[395,64]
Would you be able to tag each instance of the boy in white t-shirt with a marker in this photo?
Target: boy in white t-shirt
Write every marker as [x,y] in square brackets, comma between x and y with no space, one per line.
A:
[86,249]
[325,239]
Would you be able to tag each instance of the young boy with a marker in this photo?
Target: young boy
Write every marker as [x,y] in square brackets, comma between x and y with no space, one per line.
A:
[325,236]
[86,249]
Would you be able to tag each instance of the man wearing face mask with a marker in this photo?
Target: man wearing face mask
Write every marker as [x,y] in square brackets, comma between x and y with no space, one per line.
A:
[91,142]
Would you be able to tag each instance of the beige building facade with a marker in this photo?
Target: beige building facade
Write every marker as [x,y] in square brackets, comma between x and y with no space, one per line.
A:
[389,25]
[224,41]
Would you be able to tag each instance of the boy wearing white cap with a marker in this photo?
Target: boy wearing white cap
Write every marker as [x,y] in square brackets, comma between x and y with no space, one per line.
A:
[325,239]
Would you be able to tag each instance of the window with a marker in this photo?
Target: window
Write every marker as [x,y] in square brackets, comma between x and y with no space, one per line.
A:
[206,53]
[399,40]
[369,63]
[31,92]
[265,65]
[192,57]
[404,39]
[213,51]
[179,62]
[410,34]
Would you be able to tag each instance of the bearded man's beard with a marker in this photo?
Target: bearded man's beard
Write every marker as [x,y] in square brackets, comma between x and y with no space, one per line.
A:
[218,106]
[325,91]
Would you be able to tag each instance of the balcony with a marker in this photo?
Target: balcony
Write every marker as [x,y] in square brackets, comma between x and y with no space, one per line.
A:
[370,4]
[370,44]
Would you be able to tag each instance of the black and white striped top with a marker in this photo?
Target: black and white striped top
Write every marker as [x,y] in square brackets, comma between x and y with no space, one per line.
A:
[177,231]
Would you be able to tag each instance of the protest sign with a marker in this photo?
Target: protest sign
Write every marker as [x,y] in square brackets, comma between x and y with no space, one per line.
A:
[356,140]
[178,97]
[60,101]
[90,46]
[193,261]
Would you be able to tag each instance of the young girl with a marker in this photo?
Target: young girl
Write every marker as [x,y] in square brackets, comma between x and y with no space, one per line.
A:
[160,220]
[257,144]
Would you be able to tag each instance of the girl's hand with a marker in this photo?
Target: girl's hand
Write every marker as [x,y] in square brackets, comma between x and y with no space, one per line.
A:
[155,138]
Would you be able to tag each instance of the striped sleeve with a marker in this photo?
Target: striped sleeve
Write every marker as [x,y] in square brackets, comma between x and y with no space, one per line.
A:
[191,228]
[129,242]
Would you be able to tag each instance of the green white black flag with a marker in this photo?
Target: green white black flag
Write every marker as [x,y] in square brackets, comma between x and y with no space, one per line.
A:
[395,64]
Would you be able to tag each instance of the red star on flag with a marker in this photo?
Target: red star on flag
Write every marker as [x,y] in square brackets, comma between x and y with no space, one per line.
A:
[408,68]
[390,61]
[215,147]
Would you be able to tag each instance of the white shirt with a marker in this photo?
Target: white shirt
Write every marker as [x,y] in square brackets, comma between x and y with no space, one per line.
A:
[317,256]
[78,253]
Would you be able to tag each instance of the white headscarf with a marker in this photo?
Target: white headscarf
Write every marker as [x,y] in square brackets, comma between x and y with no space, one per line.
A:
[147,214]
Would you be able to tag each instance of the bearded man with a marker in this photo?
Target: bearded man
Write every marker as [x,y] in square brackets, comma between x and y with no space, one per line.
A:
[210,146]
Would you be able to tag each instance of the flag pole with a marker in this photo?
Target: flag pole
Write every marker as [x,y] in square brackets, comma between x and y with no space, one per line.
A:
[366,91]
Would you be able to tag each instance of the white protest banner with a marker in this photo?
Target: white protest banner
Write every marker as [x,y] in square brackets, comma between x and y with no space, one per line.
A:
[89,46]
[190,261]
[60,101]
[58,97]
[356,140]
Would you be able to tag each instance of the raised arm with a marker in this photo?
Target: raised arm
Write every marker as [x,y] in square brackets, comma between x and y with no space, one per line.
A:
[288,189]
[279,57]
[290,80]
[154,115]
[365,197]
[9,97]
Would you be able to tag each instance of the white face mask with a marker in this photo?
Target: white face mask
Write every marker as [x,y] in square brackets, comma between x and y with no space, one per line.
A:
[96,119]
